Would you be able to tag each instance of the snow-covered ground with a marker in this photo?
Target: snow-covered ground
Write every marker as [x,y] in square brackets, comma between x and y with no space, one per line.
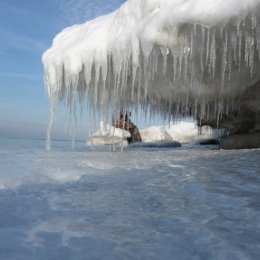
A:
[183,203]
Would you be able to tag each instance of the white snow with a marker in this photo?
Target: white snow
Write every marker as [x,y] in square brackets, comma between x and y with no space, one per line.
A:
[183,132]
[108,135]
[170,56]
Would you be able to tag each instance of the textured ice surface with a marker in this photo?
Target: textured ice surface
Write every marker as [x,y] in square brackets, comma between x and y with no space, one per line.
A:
[172,56]
[185,203]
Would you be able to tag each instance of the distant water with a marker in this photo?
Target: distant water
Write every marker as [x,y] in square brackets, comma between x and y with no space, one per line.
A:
[194,202]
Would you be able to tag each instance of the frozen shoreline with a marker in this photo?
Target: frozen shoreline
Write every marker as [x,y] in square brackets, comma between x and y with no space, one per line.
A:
[191,202]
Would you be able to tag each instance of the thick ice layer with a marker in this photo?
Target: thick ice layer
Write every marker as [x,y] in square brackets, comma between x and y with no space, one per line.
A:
[184,56]
[141,204]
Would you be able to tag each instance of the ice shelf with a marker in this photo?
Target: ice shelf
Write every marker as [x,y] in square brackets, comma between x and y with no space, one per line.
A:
[190,57]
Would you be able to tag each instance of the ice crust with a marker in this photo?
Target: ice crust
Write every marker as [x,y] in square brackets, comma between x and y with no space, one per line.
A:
[170,56]
[193,203]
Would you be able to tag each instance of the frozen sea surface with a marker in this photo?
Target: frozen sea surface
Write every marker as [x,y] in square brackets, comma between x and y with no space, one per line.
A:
[140,204]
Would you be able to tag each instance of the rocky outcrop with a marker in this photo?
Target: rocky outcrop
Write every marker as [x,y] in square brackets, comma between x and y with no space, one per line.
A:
[242,122]
[241,141]
[123,122]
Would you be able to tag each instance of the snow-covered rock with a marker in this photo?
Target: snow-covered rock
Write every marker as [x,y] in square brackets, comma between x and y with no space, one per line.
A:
[183,132]
[108,135]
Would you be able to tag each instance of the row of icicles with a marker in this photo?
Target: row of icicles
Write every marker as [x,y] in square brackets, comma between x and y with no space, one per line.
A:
[201,77]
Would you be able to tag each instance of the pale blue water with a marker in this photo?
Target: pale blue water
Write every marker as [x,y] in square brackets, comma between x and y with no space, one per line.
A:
[142,204]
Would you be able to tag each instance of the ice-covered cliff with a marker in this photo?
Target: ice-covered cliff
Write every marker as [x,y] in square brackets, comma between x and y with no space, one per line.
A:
[193,57]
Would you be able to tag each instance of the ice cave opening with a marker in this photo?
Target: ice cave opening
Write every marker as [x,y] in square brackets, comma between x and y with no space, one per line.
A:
[190,57]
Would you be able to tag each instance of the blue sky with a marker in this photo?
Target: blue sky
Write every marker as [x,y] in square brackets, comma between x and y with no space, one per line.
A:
[27,28]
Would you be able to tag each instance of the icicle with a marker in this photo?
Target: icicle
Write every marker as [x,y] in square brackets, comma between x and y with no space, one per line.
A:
[224,60]
[191,45]
[185,67]
[258,42]
[239,34]
[229,62]
[50,125]
[165,52]
[212,55]
[180,66]
[174,69]
[247,49]
[194,29]
[202,48]
[208,45]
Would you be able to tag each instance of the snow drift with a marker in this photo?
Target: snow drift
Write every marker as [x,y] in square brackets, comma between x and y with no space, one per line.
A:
[173,56]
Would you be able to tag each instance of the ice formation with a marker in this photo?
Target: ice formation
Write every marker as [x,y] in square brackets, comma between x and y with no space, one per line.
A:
[183,132]
[108,135]
[170,56]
